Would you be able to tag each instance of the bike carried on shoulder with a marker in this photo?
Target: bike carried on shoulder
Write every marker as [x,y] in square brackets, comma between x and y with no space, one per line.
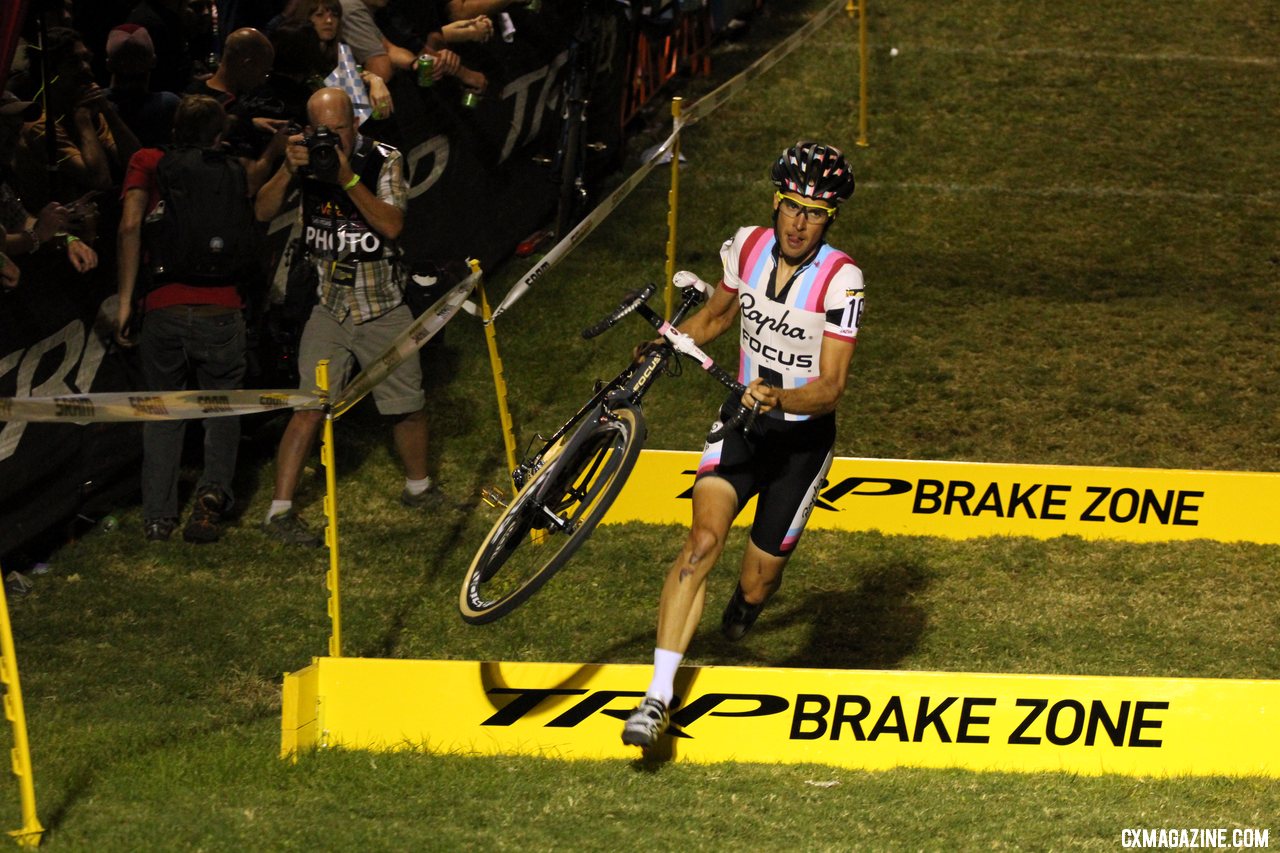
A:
[567,486]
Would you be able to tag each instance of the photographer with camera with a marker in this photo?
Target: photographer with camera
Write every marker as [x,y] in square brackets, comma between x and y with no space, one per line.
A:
[354,196]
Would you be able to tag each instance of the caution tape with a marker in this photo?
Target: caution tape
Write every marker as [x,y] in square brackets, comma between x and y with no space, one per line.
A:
[705,105]
[582,229]
[118,406]
[160,406]
[406,344]
[698,111]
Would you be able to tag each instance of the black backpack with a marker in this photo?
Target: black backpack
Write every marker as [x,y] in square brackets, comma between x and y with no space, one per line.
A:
[203,231]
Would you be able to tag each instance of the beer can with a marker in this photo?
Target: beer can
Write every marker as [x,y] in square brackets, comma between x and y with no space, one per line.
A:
[426,67]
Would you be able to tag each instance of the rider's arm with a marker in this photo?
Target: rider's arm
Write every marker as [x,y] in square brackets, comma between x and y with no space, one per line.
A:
[714,318]
[818,397]
[844,304]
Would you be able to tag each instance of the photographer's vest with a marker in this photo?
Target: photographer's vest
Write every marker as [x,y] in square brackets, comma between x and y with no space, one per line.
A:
[332,226]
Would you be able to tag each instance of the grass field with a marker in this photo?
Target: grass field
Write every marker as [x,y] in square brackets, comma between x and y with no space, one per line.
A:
[1068,222]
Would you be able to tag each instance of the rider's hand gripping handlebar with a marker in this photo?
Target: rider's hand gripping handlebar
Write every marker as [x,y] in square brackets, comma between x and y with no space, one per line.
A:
[694,291]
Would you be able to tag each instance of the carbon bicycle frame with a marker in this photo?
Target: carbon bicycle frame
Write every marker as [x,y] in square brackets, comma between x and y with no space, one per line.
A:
[629,386]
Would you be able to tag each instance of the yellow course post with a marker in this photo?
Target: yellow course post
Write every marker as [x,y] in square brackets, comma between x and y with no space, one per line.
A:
[330,510]
[499,381]
[31,832]
[673,207]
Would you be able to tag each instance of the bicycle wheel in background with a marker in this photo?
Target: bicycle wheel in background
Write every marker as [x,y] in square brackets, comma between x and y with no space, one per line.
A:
[562,502]
[570,206]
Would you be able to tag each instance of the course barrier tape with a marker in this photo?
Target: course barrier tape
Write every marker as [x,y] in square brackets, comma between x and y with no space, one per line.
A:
[115,406]
[699,110]
[583,228]
[143,406]
[705,105]
[406,344]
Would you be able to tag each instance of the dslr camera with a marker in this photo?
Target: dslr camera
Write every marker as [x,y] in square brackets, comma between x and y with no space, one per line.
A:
[322,145]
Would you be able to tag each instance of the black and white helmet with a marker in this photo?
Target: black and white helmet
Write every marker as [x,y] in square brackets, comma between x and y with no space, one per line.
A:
[813,170]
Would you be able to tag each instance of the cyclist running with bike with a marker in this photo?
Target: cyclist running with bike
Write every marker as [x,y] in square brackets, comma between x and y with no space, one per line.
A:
[799,302]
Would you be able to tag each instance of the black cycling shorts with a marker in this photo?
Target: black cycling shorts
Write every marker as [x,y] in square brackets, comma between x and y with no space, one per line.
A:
[783,462]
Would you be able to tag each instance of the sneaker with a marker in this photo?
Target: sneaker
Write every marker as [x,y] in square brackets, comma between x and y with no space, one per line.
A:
[205,524]
[292,530]
[159,529]
[646,723]
[738,616]
[429,497]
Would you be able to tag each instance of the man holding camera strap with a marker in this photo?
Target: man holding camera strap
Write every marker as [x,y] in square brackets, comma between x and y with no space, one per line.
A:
[352,211]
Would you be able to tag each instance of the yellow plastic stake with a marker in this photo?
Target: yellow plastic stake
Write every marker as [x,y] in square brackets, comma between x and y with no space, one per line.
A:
[31,832]
[499,381]
[330,510]
[673,207]
[500,388]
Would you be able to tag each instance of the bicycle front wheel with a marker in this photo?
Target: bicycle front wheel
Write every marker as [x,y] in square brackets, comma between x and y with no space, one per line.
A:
[552,515]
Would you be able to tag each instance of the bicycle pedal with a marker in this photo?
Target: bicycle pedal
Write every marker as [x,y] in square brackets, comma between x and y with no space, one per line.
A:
[597,146]
[494,497]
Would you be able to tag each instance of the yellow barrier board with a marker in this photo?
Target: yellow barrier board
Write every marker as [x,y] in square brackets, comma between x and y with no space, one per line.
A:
[848,718]
[962,500]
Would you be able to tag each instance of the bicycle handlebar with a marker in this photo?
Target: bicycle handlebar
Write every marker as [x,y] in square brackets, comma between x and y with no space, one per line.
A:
[630,302]
[744,418]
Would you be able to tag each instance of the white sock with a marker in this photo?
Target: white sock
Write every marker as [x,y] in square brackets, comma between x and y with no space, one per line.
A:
[278,508]
[665,664]
[417,487]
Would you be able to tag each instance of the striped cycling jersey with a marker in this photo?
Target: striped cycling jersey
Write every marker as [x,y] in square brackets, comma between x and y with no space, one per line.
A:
[781,338]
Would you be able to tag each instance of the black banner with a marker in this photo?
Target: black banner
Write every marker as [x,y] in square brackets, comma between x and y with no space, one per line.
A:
[55,338]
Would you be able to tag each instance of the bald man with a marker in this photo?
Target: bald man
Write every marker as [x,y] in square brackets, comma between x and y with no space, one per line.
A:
[247,57]
[351,217]
[246,62]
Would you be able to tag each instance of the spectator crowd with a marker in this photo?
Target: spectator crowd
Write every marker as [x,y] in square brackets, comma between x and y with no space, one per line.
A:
[152,140]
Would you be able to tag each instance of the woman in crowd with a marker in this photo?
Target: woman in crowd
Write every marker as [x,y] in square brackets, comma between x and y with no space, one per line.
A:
[367,90]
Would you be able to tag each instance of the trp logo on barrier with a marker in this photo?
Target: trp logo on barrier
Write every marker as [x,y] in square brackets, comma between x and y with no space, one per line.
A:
[1035,721]
[963,500]
[1046,501]
[1051,501]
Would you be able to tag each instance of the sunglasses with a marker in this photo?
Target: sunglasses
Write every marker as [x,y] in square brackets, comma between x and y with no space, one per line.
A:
[815,214]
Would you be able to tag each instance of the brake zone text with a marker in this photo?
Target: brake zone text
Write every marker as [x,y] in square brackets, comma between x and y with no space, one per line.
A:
[853,718]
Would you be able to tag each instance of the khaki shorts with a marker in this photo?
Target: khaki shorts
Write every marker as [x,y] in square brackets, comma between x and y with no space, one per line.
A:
[347,343]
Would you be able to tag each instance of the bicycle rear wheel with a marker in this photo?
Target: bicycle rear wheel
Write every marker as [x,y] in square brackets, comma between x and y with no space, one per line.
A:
[562,503]
[570,205]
